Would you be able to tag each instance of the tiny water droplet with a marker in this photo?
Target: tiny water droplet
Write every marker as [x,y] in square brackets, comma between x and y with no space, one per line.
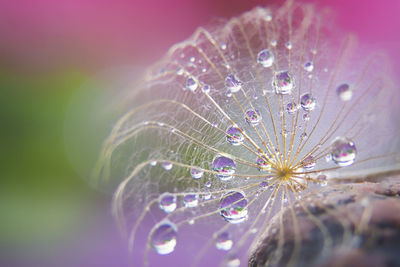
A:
[223,241]
[344,92]
[343,151]
[228,93]
[233,207]
[283,83]
[291,108]
[225,167]
[167,202]
[307,102]
[196,173]
[167,165]
[163,239]
[263,164]
[289,45]
[191,200]
[265,58]
[273,42]
[234,136]
[191,84]
[253,117]
[233,83]
[308,163]
[207,184]
[206,88]
[192,59]
[309,66]
[223,46]
[233,261]
[153,163]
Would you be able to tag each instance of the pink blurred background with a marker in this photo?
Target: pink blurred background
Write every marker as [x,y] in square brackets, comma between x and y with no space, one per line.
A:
[48,49]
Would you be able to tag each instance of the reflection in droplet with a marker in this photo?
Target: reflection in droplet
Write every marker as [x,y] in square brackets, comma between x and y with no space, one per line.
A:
[307,102]
[223,241]
[196,173]
[265,58]
[344,92]
[233,207]
[283,83]
[343,151]
[225,167]
[191,200]
[233,83]
[263,164]
[291,108]
[163,239]
[167,202]
[191,84]
[166,165]
[253,117]
[309,66]
[234,136]
[308,163]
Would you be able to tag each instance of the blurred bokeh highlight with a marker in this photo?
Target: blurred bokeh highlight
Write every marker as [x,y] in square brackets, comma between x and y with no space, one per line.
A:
[50,216]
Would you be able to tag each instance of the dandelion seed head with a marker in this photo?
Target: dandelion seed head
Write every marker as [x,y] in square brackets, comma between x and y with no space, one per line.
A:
[233,165]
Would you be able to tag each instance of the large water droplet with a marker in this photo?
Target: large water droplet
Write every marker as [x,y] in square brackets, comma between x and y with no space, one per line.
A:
[191,84]
[233,83]
[291,108]
[263,164]
[265,58]
[234,136]
[225,167]
[191,200]
[253,117]
[283,83]
[344,92]
[233,207]
[167,202]
[163,239]
[343,151]
[307,102]
[196,173]
[223,241]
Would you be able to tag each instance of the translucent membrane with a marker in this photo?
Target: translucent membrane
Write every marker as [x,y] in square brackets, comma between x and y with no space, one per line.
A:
[306,108]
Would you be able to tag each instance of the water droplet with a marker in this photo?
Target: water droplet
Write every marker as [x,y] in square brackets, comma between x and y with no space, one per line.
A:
[191,200]
[314,51]
[308,163]
[196,173]
[253,117]
[207,184]
[265,58]
[225,167]
[309,66]
[163,239]
[207,196]
[233,261]
[179,71]
[191,84]
[307,102]
[192,59]
[233,207]
[223,46]
[289,45]
[167,202]
[153,163]
[166,165]
[283,83]
[268,17]
[223,241]
[205,88]
[343,151]
[233,83]
[263,164]
[228,93]
[344,92]
[234,136]
[263,185]
[306,116]
[273,42]
[291,108]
